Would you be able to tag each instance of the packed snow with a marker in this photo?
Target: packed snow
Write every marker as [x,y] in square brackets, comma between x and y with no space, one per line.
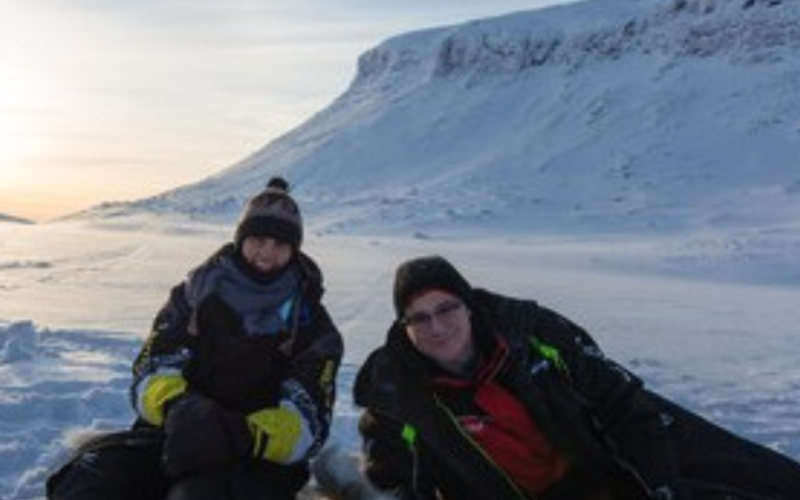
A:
[631,164]
[76,303]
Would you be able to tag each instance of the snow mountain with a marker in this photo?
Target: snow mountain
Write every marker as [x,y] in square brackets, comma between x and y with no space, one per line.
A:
[626,115]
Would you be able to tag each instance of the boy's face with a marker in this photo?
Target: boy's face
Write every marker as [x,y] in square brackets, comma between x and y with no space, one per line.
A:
[438,324]
[266,254]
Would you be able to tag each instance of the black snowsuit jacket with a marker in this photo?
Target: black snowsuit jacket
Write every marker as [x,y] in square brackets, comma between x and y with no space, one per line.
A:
[247,373]
[623,441]
[205,343]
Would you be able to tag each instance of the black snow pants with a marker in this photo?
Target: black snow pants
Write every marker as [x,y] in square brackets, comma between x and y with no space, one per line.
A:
[716,464]
[127,466]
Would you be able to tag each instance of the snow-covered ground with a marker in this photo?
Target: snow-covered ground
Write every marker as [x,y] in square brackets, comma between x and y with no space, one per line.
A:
[632,164]
[76,301]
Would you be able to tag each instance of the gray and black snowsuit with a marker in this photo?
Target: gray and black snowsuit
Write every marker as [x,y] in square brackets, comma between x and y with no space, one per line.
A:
[243,341]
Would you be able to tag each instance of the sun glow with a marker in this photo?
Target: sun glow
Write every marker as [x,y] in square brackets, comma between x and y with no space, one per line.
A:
[18,140]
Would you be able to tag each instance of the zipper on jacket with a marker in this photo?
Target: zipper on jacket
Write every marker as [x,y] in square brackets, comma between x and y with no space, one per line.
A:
[648,490]
[295,307]
[454,420]
[553,355]
[409,435]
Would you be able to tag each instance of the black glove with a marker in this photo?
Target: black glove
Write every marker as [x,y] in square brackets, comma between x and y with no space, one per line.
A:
[201,434]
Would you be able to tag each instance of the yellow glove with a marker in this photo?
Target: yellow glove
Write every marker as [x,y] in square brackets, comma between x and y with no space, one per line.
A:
[280,434]
[155,392]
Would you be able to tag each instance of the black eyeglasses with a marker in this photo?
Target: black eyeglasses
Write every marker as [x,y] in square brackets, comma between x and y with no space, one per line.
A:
[422,321]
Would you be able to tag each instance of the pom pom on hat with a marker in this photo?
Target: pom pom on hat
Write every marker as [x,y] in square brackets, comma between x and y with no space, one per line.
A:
[428,273]
[273,213]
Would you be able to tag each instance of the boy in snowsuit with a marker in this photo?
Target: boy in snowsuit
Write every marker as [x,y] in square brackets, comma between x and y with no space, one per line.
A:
[477,396]
[234,388]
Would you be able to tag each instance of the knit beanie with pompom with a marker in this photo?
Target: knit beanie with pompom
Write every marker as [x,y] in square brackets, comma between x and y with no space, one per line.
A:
[274,213]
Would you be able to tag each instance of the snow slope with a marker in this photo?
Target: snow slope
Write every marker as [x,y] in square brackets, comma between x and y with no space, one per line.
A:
[70,326]
[677,117]
[596,113]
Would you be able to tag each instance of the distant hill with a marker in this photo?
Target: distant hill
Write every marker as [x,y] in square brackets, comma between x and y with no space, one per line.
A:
[15,220]
[606,115]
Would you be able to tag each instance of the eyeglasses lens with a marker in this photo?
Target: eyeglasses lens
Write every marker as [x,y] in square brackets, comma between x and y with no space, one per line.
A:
[445,312]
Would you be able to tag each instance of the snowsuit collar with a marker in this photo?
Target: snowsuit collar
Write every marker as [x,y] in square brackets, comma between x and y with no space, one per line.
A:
[204,279]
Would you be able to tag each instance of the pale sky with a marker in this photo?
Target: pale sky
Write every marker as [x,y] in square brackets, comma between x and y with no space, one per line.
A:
[109,100]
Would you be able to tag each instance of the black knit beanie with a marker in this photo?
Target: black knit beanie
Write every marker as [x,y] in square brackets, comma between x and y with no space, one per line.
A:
[274,213]
[428,273]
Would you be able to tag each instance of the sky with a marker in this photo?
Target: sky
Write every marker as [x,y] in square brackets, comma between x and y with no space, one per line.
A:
[110,100]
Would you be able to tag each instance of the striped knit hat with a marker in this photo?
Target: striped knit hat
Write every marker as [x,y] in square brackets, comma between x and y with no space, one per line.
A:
[272,213]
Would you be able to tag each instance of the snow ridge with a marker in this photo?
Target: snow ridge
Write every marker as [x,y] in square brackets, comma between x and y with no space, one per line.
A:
[629,115]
